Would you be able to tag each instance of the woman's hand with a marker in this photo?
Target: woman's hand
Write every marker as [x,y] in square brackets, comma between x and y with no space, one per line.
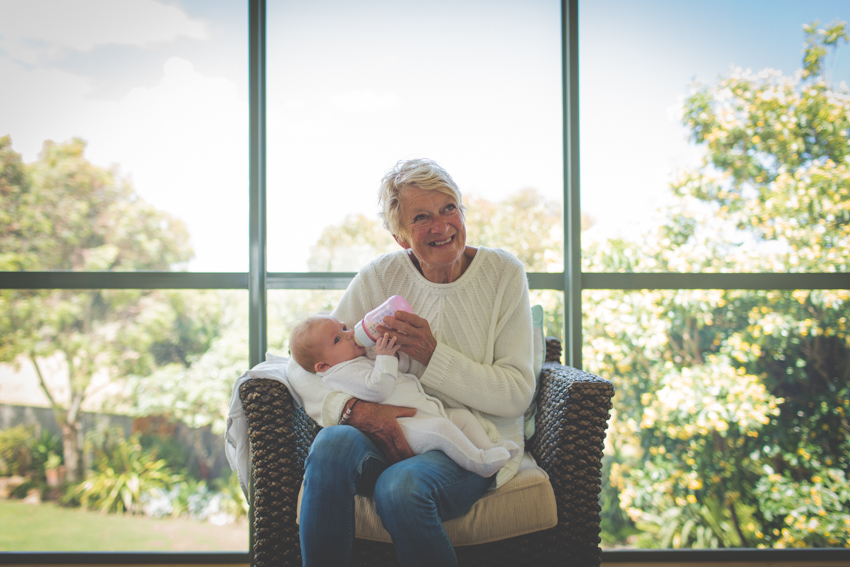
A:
[380,424]
[412,334]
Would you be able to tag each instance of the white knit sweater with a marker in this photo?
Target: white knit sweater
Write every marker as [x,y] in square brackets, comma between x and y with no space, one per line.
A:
[482,323]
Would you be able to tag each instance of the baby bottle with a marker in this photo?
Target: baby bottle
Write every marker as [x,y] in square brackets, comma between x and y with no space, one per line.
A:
[365,332]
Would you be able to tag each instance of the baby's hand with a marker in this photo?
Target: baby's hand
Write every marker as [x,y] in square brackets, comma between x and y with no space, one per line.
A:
[386,345]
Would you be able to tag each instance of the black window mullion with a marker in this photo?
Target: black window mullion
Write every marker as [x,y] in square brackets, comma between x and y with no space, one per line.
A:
[572,209]
[257,296]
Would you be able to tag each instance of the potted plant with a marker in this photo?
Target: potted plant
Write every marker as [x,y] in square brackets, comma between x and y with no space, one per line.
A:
[54,470]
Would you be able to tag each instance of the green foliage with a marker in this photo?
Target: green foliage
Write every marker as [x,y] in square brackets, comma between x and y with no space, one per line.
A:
[233,502]
[16,450]
[350,246]
[817,40]
[122,473]
[813,513]
[693,525]
[525,224]
[616,526]
[169,449]
[714,388]
[187,498]
[196,388]
[46,452]
[190,322]
[196,500]
[68,214]
[64,213]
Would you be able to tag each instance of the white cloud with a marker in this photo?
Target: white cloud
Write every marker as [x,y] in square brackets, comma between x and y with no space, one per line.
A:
[183,143]
[32,29]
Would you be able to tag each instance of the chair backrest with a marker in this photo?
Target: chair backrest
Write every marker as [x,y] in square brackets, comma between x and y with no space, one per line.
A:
[539,346]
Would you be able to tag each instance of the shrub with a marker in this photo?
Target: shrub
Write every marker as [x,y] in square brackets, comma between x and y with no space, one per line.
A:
[222,504]
[233,501]
[122,474]
[15,450]
[46,452]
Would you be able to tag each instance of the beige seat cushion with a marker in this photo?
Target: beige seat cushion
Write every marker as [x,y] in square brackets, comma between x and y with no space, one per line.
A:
[525,504]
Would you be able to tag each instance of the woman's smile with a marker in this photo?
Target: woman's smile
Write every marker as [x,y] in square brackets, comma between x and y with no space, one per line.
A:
[443,242]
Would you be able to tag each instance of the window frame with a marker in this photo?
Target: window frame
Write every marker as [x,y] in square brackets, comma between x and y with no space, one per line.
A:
[257,281]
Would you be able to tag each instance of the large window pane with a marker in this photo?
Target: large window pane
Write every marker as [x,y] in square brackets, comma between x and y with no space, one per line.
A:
[730,420]
[132,120]
[106,387]
[666,85]
[356,87]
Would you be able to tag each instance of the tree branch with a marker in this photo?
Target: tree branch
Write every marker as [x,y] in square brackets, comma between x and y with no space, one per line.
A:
[43,383]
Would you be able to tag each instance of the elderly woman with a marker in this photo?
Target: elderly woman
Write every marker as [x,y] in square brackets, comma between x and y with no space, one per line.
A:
[471,346]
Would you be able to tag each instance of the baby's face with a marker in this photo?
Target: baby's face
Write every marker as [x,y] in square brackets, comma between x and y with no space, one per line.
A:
[336,342]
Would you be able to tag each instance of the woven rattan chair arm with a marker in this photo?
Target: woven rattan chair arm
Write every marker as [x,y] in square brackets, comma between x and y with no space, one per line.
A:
[573,411]
[280,438]
[572,417]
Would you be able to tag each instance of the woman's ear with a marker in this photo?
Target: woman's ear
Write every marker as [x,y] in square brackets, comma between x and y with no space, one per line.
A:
[401,242]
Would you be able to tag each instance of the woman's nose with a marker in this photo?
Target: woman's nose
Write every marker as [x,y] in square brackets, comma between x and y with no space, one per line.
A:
[440,226]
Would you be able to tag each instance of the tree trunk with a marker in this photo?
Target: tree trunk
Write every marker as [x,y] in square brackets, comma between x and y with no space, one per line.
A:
[72,449]
[201,453]
[69,420]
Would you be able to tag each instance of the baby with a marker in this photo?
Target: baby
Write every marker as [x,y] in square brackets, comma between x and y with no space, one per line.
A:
[326,345]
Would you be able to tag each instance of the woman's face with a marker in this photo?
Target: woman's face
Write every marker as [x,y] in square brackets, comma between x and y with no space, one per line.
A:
[432,226]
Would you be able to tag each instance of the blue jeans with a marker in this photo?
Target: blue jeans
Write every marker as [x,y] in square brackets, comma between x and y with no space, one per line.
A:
[412,498]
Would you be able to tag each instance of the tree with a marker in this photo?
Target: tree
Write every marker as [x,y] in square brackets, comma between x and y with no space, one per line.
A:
[730,425]
[196,390]
[64,213]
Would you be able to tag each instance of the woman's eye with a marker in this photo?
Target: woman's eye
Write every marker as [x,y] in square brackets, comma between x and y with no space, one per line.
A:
[451,207]
[419,218]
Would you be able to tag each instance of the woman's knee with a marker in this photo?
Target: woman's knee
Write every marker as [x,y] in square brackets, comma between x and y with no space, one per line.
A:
[401,490]
[335,447]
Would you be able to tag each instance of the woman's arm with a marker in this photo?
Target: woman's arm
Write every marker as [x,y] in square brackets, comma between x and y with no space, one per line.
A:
[503,387]
[379,422]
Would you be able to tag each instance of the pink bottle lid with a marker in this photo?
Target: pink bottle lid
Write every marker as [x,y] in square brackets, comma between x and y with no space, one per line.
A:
[365,332]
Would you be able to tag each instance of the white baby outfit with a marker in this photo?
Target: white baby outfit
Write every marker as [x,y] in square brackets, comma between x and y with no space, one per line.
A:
[455,432]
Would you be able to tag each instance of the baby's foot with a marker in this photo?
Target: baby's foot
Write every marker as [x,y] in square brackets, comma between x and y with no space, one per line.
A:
[511,447]
[492,460]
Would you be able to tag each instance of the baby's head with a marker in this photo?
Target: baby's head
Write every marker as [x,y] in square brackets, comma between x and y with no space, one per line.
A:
[322,341]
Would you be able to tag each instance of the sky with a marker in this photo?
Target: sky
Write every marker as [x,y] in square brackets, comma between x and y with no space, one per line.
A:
[158,89]
[638,61]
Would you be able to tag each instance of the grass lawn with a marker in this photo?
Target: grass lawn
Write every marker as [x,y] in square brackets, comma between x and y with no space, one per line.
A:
[48,527]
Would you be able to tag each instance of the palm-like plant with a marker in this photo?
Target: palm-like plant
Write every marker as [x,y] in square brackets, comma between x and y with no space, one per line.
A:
[122,474]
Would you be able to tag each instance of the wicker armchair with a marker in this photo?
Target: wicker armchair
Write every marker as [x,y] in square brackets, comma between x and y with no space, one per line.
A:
[573,410]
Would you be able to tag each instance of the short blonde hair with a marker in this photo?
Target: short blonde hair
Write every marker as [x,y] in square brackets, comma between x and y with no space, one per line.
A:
[422,174]
[302,345]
